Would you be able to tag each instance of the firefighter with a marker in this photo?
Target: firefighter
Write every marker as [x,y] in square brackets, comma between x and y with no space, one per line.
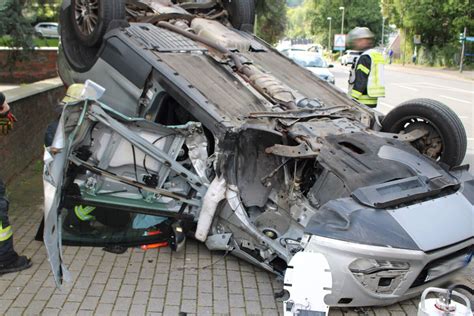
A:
[366,82]
[10,261]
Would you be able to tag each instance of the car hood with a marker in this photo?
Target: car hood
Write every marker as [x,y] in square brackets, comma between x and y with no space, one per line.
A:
[424,226]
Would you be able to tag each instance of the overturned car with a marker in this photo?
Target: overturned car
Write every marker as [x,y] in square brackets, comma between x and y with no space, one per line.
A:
[206,131]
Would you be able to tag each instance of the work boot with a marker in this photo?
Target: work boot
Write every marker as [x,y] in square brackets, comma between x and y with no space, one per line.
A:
[21,263]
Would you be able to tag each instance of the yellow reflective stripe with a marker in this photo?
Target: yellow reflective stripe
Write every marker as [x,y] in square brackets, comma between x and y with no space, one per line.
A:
[367,100]
[355,94]
[5,233]
[363,69]
[83,212]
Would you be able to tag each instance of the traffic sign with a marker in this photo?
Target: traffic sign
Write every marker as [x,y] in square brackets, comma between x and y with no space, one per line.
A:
[339,41]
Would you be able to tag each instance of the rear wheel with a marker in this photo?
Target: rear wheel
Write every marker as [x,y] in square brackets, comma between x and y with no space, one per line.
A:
[445,139]
[83,25]
[241,13]
[91,18]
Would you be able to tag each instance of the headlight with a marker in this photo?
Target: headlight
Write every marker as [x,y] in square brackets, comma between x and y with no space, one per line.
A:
[379,276]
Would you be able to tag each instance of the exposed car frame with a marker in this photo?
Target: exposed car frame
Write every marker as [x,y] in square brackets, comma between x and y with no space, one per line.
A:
[280,163]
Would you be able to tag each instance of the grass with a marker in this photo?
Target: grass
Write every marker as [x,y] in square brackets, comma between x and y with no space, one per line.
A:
[38,42]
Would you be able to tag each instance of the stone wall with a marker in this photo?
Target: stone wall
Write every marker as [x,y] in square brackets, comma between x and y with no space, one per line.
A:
[39,65]
[35,106]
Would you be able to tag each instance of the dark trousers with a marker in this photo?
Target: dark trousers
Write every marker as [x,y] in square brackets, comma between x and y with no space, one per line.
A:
[7,254]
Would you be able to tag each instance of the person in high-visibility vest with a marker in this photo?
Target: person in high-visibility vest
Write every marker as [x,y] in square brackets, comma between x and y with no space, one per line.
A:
[10,261]
[366,82]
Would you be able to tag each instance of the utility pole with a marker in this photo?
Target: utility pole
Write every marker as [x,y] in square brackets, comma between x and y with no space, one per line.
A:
[342,20]
[463,47]
[383,30]
[329,37]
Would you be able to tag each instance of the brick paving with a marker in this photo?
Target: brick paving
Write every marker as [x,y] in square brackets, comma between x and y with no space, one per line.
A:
[155,282]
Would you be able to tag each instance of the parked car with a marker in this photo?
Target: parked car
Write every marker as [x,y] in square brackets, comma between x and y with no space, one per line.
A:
[314,63]
[206,130]
[350,57]
[47,30]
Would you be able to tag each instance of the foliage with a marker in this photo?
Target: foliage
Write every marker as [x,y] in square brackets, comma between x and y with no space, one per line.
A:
[14,27]
[271,20]
[438,22]
[41,10]
[310,19]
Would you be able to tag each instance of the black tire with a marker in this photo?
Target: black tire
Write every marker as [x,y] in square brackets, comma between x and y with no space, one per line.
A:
[104,11]
[241,13]
[440,118]
[81,56]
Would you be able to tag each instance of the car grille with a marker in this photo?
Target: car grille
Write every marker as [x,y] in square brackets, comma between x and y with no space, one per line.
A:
[422,277]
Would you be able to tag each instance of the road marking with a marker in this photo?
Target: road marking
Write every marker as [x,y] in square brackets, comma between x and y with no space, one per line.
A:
[409,88]
[455,99]
[443,87]
[386,104]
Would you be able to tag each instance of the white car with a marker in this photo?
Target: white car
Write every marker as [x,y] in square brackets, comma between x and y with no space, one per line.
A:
[314,63]
[49,29]
[350,57]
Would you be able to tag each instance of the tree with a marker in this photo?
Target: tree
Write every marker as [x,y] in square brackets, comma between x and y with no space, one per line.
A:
[15,30]
[438,22]
[357,13]
[271,20]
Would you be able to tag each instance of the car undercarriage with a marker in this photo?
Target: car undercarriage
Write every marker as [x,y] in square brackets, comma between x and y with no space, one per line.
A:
[211,131]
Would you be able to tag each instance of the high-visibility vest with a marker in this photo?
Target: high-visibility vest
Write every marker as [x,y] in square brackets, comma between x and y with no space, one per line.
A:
[375,84]
[5,233]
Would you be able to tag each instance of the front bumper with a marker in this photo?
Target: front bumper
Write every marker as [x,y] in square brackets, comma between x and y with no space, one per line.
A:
[347,290]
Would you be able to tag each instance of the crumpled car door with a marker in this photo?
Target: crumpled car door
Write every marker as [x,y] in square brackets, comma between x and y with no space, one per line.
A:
[55,161]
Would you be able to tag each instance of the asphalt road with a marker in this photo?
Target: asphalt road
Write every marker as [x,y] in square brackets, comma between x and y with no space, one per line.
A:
[406,84]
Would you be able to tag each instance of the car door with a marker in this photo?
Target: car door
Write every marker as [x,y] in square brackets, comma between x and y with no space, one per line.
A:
[109,177]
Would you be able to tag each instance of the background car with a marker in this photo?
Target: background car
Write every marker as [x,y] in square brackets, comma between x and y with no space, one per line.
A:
[313,62]
[350,57]
[47,30]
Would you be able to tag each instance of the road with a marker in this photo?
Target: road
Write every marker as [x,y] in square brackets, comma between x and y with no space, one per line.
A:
[403,84]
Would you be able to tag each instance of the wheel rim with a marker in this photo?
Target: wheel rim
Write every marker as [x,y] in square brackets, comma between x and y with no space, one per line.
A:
[86,13]
[431,145]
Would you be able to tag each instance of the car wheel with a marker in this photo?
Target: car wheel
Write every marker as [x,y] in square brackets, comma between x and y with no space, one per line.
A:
[241,13]
[79,53]
[39,35]
[91,18]
[446,138]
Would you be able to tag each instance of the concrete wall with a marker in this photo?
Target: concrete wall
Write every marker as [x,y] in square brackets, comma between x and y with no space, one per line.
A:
[35,107]
[39,65]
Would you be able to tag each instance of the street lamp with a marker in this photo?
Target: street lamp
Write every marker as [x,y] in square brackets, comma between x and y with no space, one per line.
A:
[329,37]
[342,20]
[383,29]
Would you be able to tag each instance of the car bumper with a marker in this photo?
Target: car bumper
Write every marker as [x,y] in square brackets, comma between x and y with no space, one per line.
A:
[349,290]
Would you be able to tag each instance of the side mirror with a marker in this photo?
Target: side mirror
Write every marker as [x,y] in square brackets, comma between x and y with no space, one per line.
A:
[331,66]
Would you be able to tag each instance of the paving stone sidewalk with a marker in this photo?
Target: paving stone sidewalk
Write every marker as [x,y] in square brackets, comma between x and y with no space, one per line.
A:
[155,282]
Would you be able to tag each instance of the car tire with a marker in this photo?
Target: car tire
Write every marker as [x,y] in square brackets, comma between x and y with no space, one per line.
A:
[80,55]
[439,119]
[241,13]
[39,35]
[90,28]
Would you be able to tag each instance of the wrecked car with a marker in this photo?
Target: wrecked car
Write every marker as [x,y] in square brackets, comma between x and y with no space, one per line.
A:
[206,131]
